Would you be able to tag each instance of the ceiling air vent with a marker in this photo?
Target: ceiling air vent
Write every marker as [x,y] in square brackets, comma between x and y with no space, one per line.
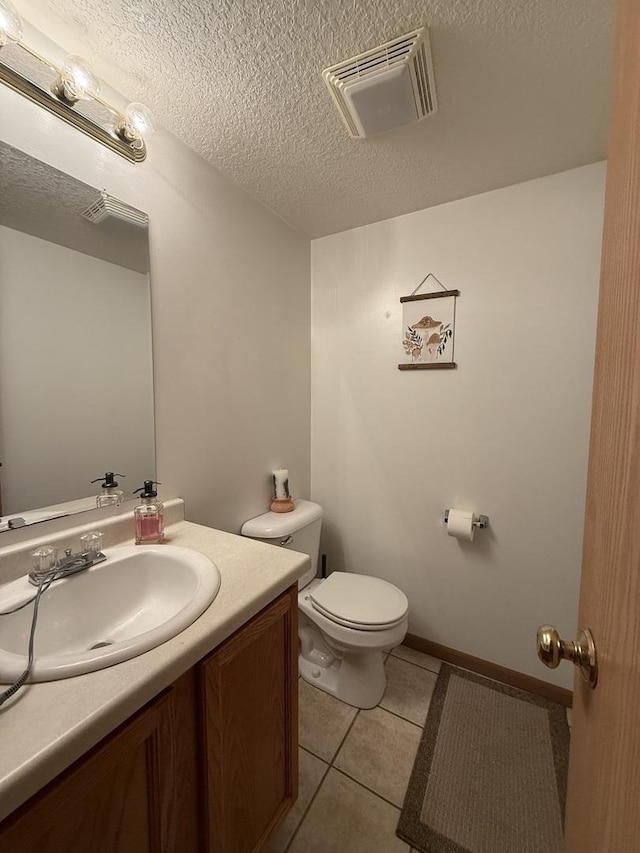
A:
[386,87]
[107,206]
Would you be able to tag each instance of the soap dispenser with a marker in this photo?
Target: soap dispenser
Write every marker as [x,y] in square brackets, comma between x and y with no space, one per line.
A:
[149,515]
[111,495]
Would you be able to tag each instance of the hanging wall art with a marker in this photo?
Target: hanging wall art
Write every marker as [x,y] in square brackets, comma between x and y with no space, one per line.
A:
[428,328]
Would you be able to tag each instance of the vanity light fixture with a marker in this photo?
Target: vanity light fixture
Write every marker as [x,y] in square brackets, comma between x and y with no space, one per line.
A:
[74,82]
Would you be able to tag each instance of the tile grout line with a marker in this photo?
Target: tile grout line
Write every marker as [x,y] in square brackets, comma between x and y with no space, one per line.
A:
[346,735]
[367,788]
[330,764]
[427,668]
[404,719]
[422,669]
[310,803]
[324,775]
[343,773]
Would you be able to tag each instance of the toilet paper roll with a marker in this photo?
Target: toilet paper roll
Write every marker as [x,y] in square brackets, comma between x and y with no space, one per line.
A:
[460,524]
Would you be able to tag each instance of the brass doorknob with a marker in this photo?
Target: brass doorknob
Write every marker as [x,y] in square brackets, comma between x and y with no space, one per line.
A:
[582,653]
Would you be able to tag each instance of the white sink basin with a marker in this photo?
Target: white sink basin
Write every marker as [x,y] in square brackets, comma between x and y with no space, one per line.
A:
[141,596]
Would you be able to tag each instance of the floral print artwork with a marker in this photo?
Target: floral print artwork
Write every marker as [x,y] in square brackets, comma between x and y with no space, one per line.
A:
[428,336]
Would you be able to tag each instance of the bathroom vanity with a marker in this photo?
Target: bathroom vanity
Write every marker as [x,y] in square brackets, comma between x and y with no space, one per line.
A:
[189,747]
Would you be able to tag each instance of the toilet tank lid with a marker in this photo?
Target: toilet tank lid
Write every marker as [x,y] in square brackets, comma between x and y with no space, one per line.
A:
[272,525]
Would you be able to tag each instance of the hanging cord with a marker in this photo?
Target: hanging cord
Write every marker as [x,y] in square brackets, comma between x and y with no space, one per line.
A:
[43,587]
[19,607]
[428,275]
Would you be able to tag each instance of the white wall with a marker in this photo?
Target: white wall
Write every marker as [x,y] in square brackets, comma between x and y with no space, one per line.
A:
[505,434]
[74,404]
[230,306]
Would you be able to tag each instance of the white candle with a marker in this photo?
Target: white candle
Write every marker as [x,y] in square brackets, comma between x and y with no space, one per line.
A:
[281,484]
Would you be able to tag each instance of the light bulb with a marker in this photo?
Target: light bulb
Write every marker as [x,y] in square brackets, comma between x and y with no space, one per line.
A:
[10,23]
[77,81]
[136,123]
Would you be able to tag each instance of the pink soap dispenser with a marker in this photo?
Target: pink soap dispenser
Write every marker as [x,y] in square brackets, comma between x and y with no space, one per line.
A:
[149,515]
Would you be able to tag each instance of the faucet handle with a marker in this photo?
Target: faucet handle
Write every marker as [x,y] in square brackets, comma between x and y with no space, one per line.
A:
[44,559]
[91,542]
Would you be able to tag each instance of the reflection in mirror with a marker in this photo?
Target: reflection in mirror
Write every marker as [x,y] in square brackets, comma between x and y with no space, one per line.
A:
[76,382]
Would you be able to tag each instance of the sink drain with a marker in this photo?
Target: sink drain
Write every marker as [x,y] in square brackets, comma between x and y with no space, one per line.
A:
[100,645]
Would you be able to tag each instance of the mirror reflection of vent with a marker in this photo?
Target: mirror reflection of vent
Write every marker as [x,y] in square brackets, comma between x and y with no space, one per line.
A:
[107,206]
[387,87]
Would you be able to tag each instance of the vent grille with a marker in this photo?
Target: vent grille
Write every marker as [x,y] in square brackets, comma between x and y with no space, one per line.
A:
[412,49]
[106,206]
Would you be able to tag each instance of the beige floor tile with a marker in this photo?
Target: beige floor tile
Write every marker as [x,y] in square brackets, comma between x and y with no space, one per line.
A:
[419,658]
[324,721]
[409,689]
[311,771]
[346,818]
[379,752]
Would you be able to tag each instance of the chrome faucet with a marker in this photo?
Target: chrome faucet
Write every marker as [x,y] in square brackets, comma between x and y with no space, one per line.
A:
[50,568]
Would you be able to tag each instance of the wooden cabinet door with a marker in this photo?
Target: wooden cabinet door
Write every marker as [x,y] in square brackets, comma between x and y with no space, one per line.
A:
[250,729]
[135,792]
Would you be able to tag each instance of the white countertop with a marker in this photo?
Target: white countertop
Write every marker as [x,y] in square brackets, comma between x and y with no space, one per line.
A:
[47,726]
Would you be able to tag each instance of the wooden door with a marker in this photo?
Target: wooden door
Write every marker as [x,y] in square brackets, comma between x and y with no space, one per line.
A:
[133,793]
[250,729]
[603,811]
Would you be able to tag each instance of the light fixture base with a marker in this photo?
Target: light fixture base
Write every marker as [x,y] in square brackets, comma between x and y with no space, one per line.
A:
[58,90]
[120,131]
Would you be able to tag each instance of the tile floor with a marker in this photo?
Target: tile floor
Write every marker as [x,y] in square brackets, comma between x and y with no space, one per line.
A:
[355,765]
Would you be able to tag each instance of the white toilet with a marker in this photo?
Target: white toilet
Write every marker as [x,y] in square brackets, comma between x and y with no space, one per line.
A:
[346,621]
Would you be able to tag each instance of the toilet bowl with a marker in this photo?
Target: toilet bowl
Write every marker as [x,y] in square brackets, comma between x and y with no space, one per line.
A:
[346,621]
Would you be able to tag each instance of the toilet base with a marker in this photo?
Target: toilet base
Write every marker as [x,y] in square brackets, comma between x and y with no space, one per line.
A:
[357,678]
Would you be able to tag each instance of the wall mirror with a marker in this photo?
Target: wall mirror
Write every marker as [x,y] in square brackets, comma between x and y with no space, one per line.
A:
[76,375]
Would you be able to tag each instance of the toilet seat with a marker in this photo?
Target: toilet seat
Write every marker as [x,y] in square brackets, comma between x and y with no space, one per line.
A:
[361,602]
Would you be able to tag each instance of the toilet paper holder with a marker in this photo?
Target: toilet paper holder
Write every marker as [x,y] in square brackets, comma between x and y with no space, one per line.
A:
[480,521]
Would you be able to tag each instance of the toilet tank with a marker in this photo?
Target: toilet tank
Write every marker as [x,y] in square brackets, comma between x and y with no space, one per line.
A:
[298,530]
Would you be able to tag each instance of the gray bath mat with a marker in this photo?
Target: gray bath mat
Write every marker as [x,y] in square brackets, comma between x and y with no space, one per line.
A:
[490,772]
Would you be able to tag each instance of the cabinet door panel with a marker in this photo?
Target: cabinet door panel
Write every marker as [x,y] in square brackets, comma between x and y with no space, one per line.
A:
[117,797]
[250,715]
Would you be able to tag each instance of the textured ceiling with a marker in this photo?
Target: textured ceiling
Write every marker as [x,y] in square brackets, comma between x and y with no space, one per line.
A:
[522,90]
[37,199]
